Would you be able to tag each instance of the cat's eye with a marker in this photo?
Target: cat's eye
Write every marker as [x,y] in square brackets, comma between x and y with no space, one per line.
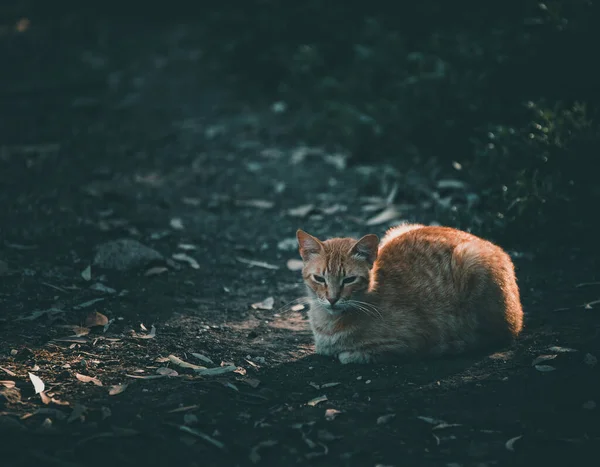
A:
[319,279]
[349,280]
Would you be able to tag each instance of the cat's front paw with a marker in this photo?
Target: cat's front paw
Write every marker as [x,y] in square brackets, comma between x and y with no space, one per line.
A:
[354,357]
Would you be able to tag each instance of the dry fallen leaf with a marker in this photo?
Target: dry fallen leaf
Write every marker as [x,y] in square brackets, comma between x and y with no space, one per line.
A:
[298,307]
[38,384]
[150,335]
[542,358]
[186,259]
[95,319]
[260,264]
[117,389]
[88,379]
[187,247]
[7,384]
[146,377]
[295,264]
[330,414]
[510,444]
[155,271]
[329,385]
[86,274]
[8,372]
[179,362]
[544,368]
[256,203]
[202,357]
[301,211]
[266,304]
[317,400]
[432,421]
[164,371]
[176,223]
[384,216]
[203,436]
[385,418]
[216,371]
[559,349]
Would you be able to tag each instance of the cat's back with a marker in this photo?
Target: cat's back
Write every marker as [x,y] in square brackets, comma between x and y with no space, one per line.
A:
[432,254]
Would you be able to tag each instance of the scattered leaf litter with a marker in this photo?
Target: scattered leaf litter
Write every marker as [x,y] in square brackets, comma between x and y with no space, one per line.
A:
[266,304]
[383,419]
[256,203]
[179,362]
[164,371]
[95,319]
[155,271]
[301,211]
[216,371]
[317,400]
[185,258]
[543,358]
[86,274]
[204,436]
[38,384]
[150,335]
[295,264]
[331,414]
[510,444]
[203,358]
[259,264]
[88,379]
[387,215]
[176,223]
[559,349]
[116,389]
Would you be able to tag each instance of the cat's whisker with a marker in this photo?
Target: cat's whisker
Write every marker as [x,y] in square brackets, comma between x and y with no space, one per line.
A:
[363,309]
[289,305]
[368,308]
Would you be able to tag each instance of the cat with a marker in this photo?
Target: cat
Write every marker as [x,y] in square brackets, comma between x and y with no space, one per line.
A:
[422,290]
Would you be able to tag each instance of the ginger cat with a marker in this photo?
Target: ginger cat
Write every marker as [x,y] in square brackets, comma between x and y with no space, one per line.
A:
[421,290]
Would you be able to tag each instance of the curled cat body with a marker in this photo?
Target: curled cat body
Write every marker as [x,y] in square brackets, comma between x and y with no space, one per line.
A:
[422,290]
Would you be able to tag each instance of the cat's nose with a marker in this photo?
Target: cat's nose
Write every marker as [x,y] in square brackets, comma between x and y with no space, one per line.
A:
[332,301]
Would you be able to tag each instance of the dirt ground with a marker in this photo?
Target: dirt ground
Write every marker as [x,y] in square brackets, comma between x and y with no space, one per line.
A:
[112,131]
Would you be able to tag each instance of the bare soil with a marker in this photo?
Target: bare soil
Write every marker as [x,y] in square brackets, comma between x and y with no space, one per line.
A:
[113,130]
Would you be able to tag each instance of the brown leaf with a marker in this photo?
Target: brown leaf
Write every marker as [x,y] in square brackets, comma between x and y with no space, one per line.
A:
[317,400]
[95,319]
[88,379]
[7,384]
[117,389]
[266,304]
[166,371]
[179,362]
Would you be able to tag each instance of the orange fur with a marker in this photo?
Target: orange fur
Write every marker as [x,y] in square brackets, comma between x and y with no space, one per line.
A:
[421,290]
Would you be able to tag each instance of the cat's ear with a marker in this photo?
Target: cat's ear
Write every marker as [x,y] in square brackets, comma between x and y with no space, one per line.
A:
[308,245]
[366,248]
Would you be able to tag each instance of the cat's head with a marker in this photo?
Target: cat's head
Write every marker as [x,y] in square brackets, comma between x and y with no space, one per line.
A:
[337,270]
